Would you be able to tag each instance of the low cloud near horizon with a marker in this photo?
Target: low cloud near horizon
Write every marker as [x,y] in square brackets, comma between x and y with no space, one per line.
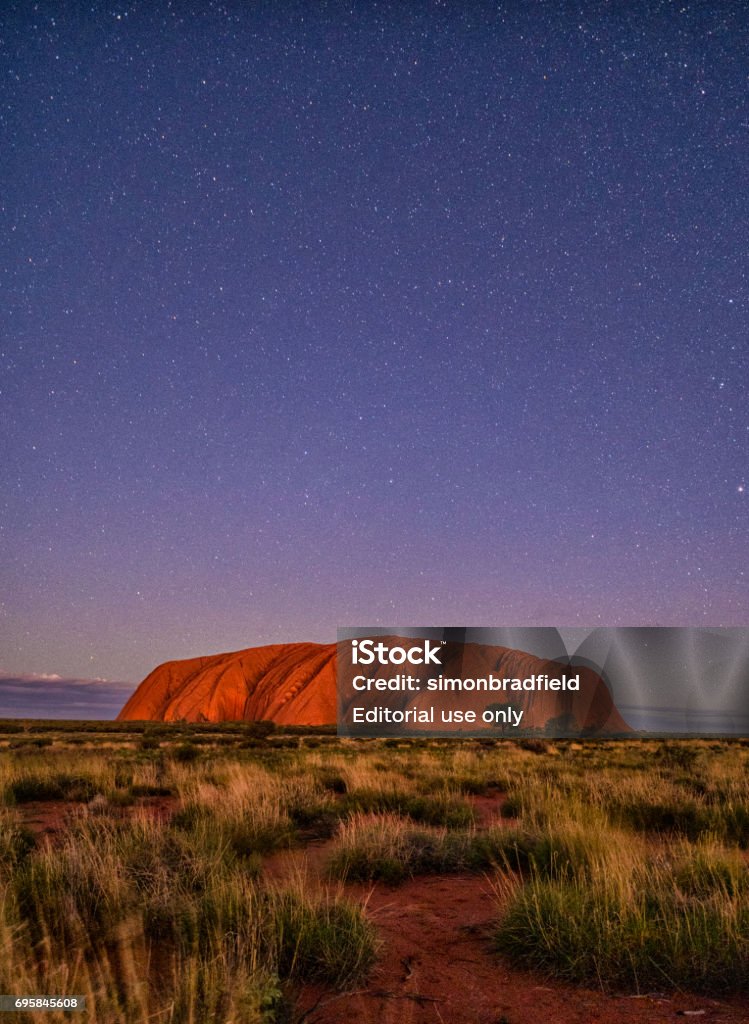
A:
[53,696]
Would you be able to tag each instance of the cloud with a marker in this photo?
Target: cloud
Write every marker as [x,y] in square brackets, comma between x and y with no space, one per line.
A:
[54,696]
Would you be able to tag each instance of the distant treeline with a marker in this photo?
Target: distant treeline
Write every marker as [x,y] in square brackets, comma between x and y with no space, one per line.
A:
[257,730]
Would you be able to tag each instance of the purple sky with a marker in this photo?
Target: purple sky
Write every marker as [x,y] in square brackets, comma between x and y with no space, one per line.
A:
[372,313]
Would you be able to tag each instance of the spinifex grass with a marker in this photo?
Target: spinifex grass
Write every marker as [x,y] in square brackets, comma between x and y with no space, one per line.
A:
[621,865]
[390,848]
[319,935]
[245,807]
[124,899]
[386,847]
[604,913]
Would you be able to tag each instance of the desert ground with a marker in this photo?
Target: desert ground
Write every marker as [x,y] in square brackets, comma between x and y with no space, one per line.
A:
[238,872]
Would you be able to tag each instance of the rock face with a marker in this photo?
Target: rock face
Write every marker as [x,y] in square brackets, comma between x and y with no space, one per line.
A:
[295,684]
[292,684]
[589,710]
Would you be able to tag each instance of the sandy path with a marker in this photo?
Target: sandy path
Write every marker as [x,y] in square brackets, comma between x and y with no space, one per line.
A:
[438,966]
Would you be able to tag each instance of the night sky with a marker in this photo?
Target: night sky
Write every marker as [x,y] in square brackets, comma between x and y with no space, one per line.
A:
[317,314]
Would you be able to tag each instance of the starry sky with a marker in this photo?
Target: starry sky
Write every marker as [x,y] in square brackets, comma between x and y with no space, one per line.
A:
[322,314]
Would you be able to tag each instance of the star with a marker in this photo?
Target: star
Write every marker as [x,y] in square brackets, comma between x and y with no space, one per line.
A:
[349,310]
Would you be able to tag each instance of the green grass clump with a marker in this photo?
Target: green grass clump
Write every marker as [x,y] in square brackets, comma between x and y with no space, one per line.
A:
[16,843]
[621,867]
[215,992]
[141,889]
[439,809]
[710,869]
[637,924]
[146,789]
[388,848]
[384,847]
[323,938]
[58,786]
[246,809]
[71,895]
[184,753]
[681,816]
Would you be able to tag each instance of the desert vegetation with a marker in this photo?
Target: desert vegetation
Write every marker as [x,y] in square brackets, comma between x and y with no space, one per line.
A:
[139,864]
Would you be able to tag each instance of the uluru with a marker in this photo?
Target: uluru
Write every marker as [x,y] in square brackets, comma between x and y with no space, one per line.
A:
[295,684]
[291,684]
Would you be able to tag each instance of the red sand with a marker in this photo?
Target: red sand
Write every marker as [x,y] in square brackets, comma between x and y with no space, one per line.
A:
[438,965]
